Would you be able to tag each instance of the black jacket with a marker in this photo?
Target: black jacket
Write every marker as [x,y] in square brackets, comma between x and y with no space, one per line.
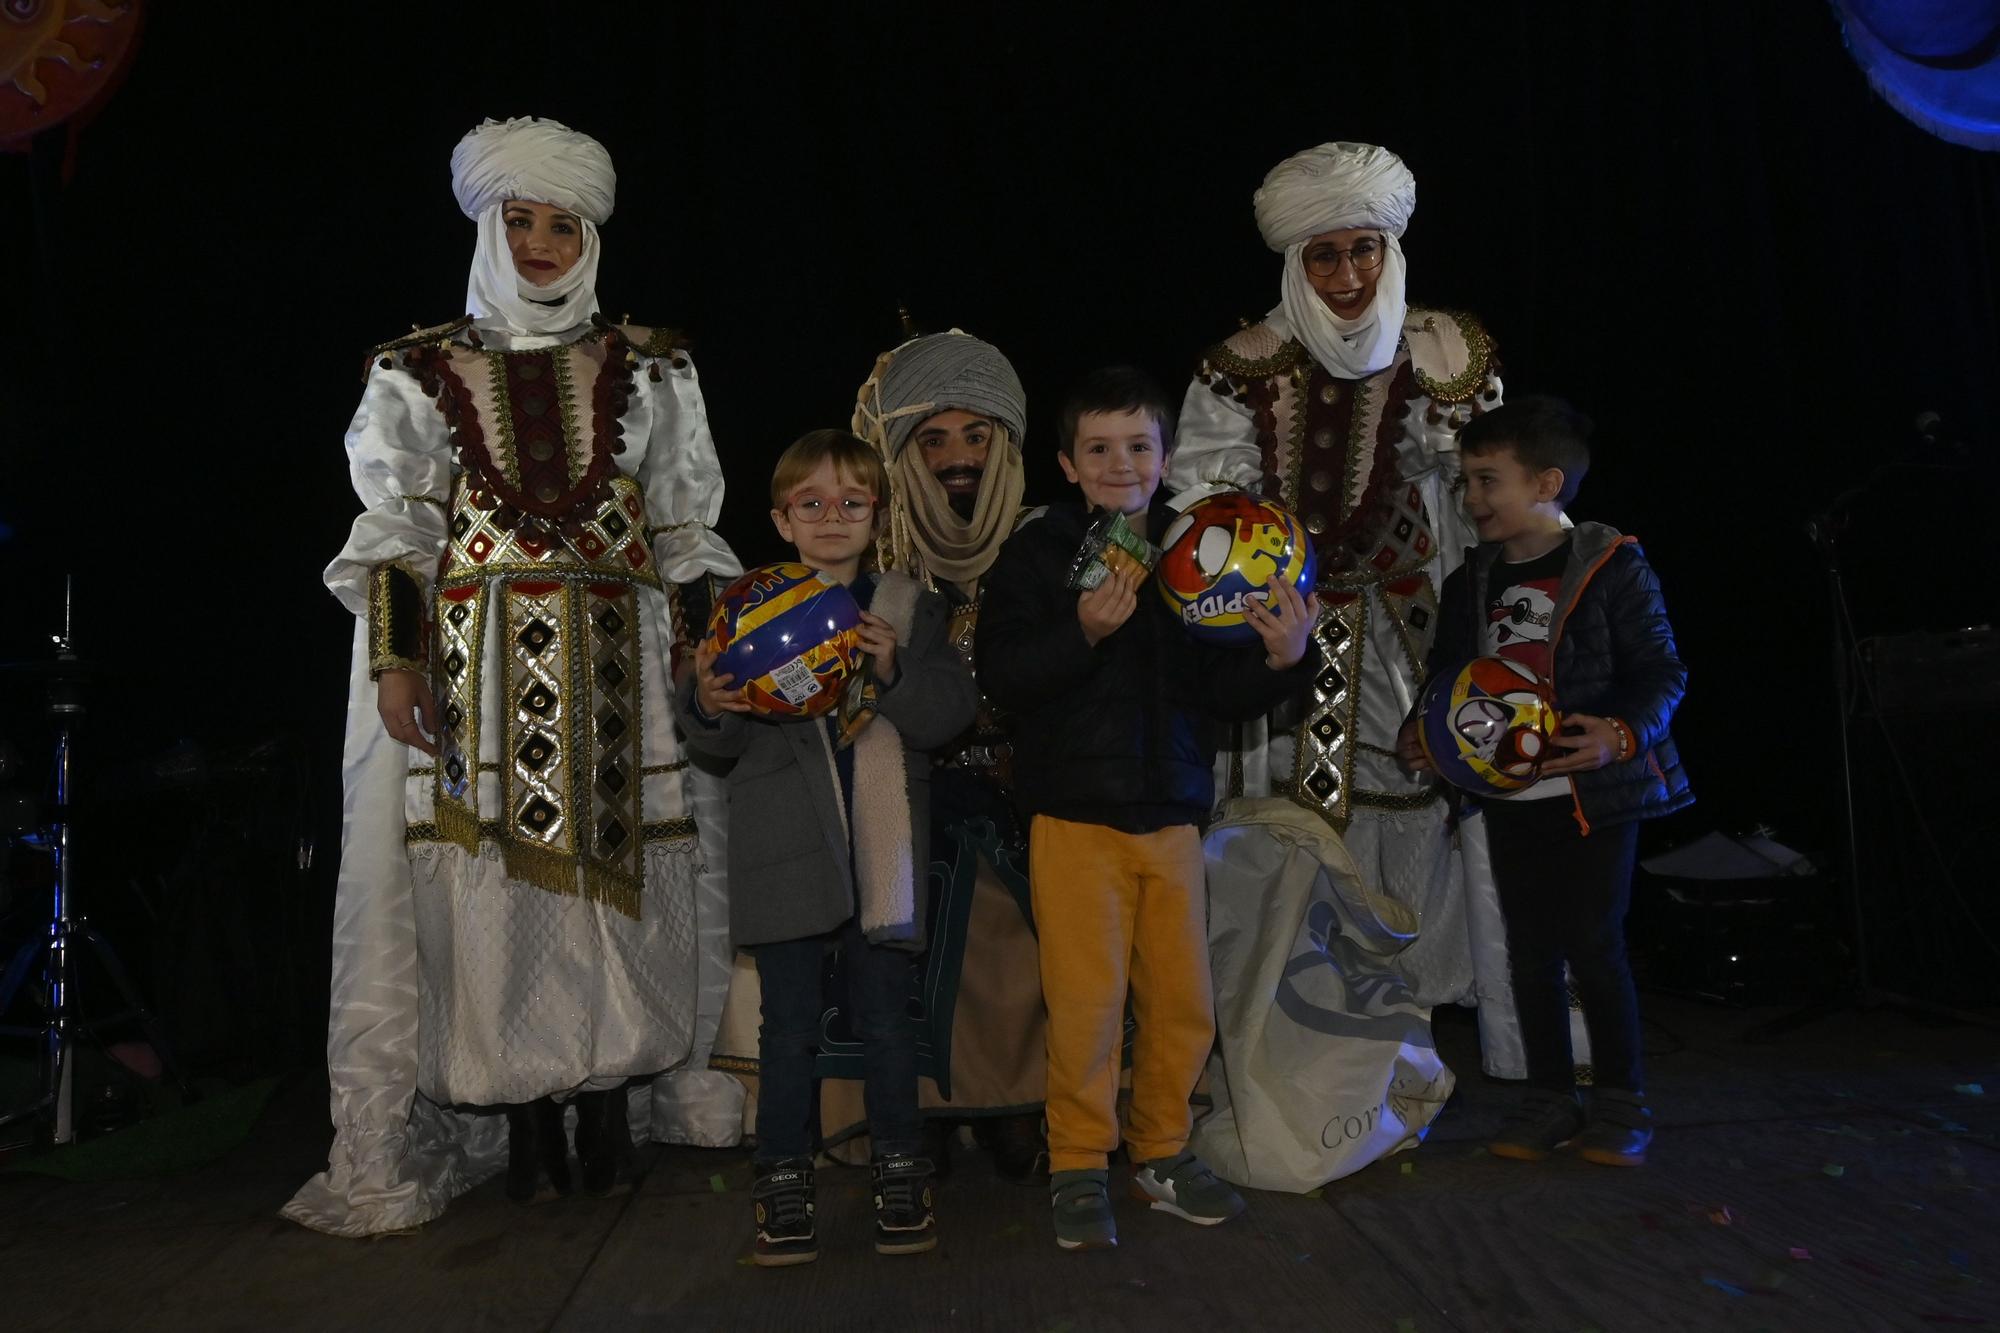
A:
[1614,657]
[1121,734]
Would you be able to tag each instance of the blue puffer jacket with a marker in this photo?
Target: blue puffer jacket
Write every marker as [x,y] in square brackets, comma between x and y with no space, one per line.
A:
[1614,657]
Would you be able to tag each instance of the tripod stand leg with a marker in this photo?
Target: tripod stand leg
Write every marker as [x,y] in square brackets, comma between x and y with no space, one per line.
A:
[148,1023]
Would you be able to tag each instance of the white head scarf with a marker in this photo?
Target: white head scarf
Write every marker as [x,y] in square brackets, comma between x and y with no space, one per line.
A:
[1330,188]
[543,162]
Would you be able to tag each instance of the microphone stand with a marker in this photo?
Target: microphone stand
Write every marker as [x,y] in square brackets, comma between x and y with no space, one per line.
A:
[57,1034]
[1859,991]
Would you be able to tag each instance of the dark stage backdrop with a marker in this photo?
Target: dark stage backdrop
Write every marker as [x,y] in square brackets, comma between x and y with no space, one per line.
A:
[1694,220]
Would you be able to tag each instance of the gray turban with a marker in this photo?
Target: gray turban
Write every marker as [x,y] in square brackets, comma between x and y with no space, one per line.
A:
[941,372]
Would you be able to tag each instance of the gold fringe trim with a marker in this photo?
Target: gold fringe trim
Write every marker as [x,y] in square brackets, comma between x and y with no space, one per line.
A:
[612,888]
[543,867]
[457,824]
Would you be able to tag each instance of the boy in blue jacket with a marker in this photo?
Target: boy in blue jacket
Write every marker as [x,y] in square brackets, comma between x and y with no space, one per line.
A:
[1583,609]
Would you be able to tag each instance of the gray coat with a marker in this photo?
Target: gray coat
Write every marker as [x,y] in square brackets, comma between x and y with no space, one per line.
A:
[790,873]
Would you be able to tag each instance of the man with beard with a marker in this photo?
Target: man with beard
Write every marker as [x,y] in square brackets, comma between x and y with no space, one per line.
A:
[948,413]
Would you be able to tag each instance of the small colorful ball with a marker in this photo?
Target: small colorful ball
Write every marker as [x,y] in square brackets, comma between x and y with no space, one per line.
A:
[790,636]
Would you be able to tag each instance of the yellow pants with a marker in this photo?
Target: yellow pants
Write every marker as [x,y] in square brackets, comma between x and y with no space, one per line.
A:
[1117,912]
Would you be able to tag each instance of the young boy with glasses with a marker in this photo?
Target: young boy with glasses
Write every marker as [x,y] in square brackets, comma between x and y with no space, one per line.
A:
[827,851]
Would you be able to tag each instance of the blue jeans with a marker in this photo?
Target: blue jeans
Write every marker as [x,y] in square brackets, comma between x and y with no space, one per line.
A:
[878,989]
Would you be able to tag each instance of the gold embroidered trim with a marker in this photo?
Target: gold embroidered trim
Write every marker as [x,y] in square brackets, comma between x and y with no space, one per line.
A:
[656,342]
[489,830]
[655,770]
[580,450]
[461,639]
[1345,659]
[422,500]
[435,333]
[503,452]
[1359,441]
[467,571]
[395,620]
[1301,378]
[1289,357]
[478,548]
[1479,364]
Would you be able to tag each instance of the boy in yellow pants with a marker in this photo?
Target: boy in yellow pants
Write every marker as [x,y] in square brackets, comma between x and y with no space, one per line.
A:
[1110,701]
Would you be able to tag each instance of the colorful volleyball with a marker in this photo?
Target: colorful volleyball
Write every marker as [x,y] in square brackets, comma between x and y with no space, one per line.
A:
[790,636]
[1488,727]
[1224,549]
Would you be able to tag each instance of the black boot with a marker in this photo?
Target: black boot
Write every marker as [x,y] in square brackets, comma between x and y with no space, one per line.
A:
[524,1166]
[536,1151]
[602,1134]
[551,1144]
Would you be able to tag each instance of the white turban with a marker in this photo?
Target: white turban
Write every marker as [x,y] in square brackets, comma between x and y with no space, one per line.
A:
[543,162]
[1331,188]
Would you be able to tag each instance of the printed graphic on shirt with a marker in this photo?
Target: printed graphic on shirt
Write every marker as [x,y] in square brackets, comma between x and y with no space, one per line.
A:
[1521,609]
[1520,612]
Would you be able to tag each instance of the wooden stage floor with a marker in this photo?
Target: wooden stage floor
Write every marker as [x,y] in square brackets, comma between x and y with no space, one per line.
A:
[1844,1178]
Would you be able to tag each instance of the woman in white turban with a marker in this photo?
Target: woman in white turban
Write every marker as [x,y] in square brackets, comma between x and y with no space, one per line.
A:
[522,921]
[1344,404]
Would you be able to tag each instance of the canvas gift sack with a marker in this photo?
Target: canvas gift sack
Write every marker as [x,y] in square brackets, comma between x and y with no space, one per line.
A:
[1323,1061]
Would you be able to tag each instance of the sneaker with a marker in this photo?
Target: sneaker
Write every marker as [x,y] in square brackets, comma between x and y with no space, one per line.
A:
[1540,1122]
[904,1223]
[1185,1187]
[1620,1129]
[1082,1201]
[783,1200]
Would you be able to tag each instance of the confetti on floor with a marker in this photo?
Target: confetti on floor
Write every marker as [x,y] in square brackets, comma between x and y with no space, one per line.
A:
[1834,1169]
[718,1184]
